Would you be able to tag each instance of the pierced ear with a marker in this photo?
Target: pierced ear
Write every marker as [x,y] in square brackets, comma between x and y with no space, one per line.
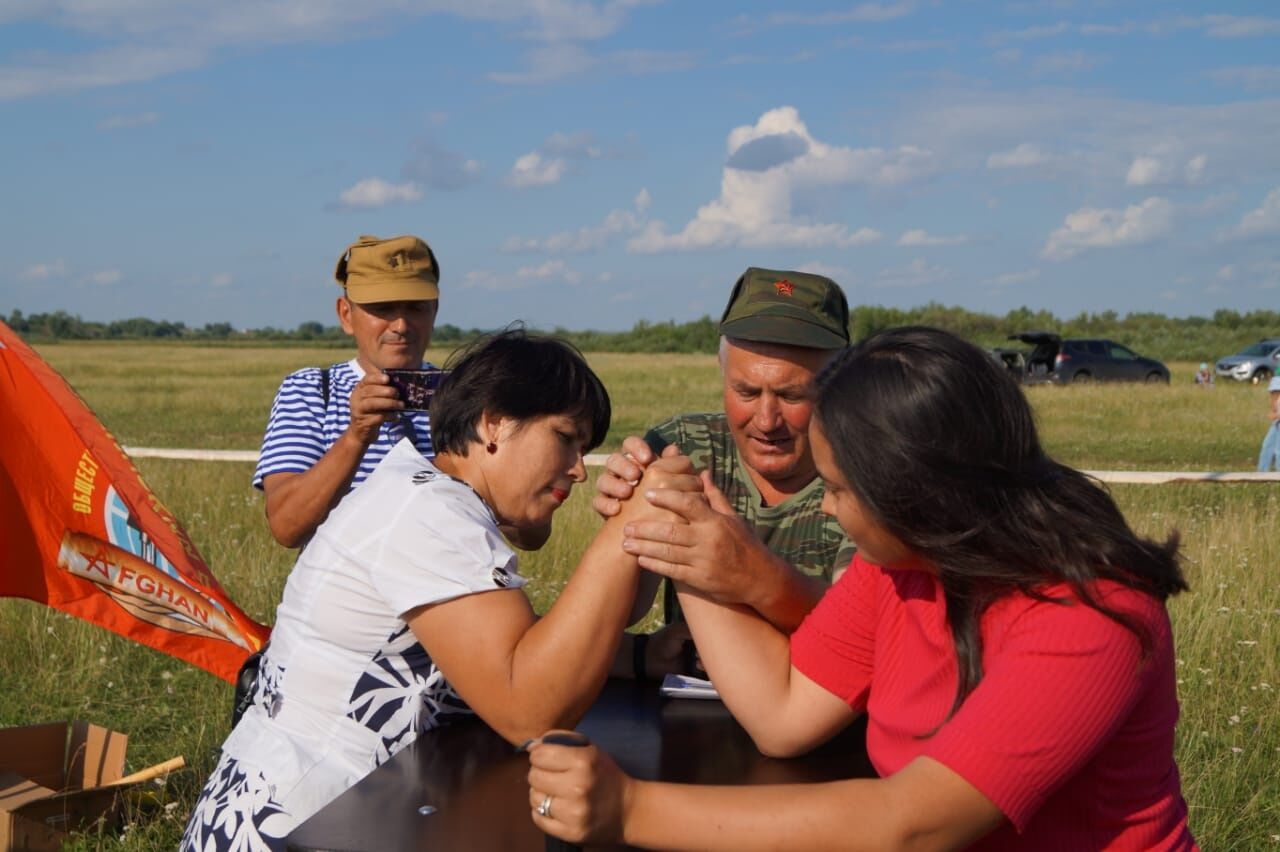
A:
[491,429]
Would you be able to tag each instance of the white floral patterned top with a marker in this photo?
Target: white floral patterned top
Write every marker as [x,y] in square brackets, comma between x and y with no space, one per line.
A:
[344,684]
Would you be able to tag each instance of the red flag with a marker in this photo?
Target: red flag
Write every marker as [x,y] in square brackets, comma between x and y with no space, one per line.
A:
[81,532]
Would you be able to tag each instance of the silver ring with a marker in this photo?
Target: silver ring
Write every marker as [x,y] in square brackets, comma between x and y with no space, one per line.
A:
[544,809]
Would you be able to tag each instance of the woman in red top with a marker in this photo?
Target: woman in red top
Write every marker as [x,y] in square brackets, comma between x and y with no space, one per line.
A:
[1002,627]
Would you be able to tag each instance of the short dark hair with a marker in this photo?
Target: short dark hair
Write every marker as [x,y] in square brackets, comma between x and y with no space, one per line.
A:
[940,446]
[520,375]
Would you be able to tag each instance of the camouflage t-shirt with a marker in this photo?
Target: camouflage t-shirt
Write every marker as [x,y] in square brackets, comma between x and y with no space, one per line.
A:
[796,529]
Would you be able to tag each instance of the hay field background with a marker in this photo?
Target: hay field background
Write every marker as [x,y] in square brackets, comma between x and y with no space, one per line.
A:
[1227,628]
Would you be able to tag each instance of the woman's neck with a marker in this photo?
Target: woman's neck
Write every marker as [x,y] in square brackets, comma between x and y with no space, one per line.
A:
[467,469]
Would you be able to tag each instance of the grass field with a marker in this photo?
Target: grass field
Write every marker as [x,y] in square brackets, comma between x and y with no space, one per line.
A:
[1227,627]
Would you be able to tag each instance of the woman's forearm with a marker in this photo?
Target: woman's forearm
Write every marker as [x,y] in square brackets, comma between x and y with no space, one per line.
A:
[749,661]
[560,664]
[765,817]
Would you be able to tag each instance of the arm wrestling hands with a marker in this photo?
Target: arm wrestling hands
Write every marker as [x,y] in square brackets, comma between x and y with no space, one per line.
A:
[714,551]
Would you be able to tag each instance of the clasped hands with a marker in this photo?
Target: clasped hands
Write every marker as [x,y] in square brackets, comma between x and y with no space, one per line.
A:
[701,543]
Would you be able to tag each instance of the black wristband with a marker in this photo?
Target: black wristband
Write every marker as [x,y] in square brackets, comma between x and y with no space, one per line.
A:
[638,644]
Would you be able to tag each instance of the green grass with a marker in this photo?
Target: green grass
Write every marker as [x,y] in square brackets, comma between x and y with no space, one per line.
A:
[1227,628]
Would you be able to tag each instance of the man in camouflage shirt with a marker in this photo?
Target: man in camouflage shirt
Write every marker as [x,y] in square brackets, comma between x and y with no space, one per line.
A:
[770,546]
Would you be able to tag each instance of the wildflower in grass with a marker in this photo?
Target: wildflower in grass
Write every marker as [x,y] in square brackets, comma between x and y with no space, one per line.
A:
[1236,750]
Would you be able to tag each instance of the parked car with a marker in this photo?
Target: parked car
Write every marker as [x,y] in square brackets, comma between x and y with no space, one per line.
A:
[1258,363]
[1013,360]
[1054,359]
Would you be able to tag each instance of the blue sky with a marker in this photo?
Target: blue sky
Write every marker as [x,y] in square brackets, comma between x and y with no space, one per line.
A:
[591,164]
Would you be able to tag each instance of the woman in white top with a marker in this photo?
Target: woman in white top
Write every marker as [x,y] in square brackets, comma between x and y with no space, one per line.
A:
[405,609]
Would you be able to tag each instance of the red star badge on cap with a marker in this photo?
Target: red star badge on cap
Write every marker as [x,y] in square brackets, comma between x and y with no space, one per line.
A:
[784,287]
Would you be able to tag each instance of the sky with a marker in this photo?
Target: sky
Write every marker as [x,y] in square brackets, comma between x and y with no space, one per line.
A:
[589,164]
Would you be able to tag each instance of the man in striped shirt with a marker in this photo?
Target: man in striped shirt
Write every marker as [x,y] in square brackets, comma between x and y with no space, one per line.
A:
[330,427]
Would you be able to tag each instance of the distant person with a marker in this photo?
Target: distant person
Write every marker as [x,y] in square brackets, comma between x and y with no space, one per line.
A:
[1002,628]
[406,611]
[329,427]
[1204,376]
[1269,457]
[777,551]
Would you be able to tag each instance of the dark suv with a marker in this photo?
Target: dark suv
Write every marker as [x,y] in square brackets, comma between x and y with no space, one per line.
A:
[1054,359]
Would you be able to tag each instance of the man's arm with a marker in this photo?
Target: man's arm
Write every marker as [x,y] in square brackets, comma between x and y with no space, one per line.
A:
[297,502]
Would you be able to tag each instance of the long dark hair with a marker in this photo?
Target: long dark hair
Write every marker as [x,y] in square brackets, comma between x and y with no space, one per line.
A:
[939,444]
[520,375]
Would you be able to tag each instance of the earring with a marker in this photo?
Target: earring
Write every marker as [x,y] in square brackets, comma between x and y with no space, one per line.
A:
[491,447]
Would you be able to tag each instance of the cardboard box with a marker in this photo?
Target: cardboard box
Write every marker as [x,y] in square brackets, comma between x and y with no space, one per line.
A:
[55,779]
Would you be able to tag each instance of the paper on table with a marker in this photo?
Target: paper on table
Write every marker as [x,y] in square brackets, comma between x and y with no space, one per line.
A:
[683,686]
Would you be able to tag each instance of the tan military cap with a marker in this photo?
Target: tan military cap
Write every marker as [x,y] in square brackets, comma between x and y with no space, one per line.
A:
[398,269]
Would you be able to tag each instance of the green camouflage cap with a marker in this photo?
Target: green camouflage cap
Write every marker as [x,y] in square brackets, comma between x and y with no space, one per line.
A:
[792,308]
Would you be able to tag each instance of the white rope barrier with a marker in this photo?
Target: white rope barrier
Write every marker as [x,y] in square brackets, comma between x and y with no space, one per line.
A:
[1133,477]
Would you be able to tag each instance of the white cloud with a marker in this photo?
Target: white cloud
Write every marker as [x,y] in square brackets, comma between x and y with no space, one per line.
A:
[920,237]
[1089,228]
[838,274]
[1068,62]
[862,13]
[438,167]
[554,270]
[1083,139]
[1012,279]
[554,159]
[1264,220]
[376,192]
[43,271]
[1238,26]
[588,238]
[220,279]
[532,170]
[1194,170]
[54,74]
[148,39]
[917,273]
[103,277]
[1021,156]
[524,278]
[770,163]
[560,60]
[122,122]
[1214,26]
[1143,172]
[1151,169]
[1030,33]
[1250,77]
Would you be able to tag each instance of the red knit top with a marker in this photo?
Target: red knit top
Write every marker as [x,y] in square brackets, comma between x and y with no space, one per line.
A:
[1069,733]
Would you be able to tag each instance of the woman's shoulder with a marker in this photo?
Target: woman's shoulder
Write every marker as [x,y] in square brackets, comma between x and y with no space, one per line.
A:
[1090,606]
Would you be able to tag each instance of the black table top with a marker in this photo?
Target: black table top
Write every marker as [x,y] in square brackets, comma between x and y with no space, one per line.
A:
[475,781]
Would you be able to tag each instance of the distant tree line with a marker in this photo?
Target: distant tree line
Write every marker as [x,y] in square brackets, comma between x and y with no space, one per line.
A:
[1153,334]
